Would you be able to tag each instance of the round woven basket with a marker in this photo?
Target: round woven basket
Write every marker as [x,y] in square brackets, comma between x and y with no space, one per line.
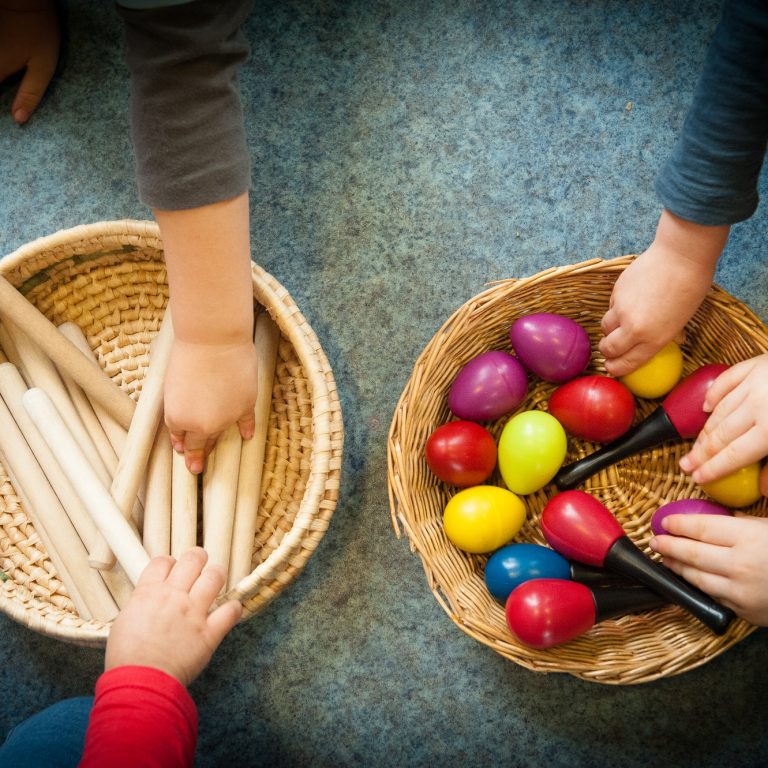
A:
[110,279]
[629,649]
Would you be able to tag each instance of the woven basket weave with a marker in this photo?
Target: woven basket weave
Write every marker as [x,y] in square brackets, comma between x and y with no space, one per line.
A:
[629,649]
[110,279]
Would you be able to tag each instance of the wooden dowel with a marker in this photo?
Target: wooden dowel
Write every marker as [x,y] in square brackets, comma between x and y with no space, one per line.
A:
[266,339]
[120,536]
[132,465]
[65,548]
[156,533]
[92,424]
[82,608]
[114,431]
[16,309]
[41,372]
[219,495]
[9,348]
[183,506]
[12,389]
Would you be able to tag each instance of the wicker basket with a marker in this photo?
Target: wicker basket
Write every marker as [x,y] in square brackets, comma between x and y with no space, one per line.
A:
[630,649]
[110,279]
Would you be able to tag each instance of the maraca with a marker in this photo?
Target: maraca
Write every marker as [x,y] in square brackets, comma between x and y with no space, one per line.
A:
[581,528]
[514,564]
[680,416]
[545,612]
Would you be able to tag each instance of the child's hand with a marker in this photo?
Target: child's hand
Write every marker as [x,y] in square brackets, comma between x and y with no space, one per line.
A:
[166,624]
[723,556]
[207,389]
[652,300]
[736,434]
[29,39]
[656,295]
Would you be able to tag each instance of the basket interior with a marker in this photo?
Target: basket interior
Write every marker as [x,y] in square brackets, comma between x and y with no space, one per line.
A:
[111,281]
[629,649]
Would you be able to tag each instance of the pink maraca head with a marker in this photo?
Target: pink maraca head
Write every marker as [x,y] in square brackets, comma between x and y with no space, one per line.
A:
[684,404]
[580,527]
[545,612]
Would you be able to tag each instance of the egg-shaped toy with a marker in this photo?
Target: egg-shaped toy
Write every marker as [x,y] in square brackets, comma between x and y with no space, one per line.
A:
[596,408]
[658,375]
[554,347]
[483,518]
[738,489]
[531,449]
[685,507]
[461,453]
[514,564]
[490,385]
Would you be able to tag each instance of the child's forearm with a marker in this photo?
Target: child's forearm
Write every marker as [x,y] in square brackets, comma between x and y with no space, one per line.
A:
[695,242]
[207,253]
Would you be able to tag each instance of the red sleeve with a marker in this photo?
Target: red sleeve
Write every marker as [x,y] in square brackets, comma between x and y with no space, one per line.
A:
[141,717]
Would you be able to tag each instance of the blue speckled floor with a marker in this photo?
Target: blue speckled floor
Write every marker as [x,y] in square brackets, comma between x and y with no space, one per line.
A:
[402,159]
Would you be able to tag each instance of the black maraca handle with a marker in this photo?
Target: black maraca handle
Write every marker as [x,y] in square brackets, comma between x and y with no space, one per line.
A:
[652,431]
[625,558]
[593,577]
[618,601]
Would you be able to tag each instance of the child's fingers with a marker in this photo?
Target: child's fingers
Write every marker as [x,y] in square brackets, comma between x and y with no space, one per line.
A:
[223,619]
[714,439]
[719,530]
[208,585]
[725,383]
[247,425]
[745,450]
[692,554]
[157,570]
[33,86]
[196,450]
[188,568]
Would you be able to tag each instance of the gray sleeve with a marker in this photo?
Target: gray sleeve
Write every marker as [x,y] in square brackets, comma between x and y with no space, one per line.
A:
[186,116]
[712,174]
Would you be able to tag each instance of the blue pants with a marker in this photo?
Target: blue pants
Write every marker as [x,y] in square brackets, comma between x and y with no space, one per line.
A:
[53,738]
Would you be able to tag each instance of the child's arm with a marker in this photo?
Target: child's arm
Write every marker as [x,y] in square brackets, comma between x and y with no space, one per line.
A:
[211,378]
[723,556]
[29,40]
[159,643]
[708,184]
[193,170]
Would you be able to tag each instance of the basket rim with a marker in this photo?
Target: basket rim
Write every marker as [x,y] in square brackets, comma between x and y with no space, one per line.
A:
[402,475]
[321,492]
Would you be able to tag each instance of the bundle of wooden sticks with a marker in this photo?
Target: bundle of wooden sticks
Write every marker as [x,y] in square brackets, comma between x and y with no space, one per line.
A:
[95,470]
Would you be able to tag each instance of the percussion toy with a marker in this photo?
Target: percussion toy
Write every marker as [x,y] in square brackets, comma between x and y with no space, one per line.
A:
[581,528]
[679,417]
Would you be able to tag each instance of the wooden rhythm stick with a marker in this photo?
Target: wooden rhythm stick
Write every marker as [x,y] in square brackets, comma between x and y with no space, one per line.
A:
[41,372]
[266,339]
[114,431]
[91,423]
[16,309]
[12,389]
[141,434]
[65,548]
[219,495]
[183,506]
[9,348]
[156,533]
[120,536]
